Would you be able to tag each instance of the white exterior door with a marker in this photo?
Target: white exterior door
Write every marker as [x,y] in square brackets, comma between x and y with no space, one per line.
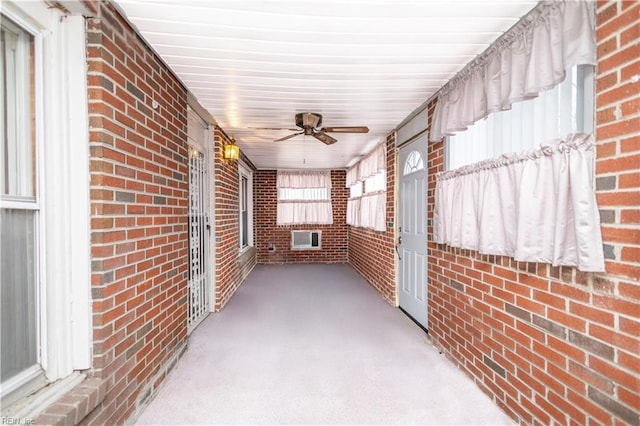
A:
[412,230]
[199,226]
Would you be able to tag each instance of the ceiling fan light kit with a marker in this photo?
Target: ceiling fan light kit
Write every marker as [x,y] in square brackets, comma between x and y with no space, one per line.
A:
[309,123]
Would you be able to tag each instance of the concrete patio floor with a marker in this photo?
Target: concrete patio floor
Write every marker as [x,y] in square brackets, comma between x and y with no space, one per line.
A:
[315,344]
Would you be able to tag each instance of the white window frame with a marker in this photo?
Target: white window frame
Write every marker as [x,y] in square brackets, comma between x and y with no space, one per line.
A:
[32,377]
[247,173]
[20,95]
[62,188]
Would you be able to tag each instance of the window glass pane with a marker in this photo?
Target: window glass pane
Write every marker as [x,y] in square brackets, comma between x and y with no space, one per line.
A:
[19,349]
[243,193]
[375,183]
[245,220]
[17,89]
[413,163]
[303,194]
[244,216]
[245,228]
[355,190]
[528,124]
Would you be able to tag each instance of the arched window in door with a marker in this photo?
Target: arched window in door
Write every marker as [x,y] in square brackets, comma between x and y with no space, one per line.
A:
[413,163]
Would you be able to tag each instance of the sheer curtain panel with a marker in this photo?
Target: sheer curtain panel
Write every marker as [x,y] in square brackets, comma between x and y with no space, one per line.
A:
[531,57]
[539,206]
[373,210]
[303,179]
[355,192]
[353,212]
[352,175]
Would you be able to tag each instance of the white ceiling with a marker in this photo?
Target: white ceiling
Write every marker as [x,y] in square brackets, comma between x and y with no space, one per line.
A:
[256,63]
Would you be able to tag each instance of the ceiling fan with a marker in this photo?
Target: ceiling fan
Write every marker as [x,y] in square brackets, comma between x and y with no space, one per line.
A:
[310,122]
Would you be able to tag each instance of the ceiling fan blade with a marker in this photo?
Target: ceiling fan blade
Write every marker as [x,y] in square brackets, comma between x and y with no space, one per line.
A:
[288,137]
[346,129]
[273,128]
[324,138]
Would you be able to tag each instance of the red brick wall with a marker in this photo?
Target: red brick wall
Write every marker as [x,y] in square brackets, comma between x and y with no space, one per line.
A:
[372,253]
[139,188]
[618,134]
[231,268]
[555,345]
[334,237]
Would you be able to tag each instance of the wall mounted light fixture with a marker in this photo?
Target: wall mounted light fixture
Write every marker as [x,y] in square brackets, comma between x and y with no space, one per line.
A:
[231,150]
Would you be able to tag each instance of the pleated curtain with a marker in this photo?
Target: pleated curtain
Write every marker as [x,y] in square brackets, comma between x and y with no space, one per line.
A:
[531,57]
[368,210]
[538,206]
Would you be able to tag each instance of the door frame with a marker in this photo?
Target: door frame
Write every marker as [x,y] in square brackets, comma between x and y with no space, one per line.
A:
[211,183]
[206,148]
[396,229]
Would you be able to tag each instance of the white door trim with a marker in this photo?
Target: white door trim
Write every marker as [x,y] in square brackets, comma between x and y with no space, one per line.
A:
[211,264]
[199,135]
[411,225]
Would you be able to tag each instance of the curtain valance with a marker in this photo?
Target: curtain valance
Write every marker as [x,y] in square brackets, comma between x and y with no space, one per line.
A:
[529,58]
[373,163]
[303,179]
[352,175]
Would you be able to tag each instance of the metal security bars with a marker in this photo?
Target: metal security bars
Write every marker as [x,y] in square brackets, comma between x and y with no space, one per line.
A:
[198,229]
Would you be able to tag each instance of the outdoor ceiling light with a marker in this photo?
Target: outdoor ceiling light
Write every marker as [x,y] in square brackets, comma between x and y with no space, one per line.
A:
[231,150]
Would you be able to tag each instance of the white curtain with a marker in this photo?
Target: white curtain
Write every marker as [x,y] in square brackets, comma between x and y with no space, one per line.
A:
[305,212]
[529,58]
[538,206]
[353,212]
[373,211]
[373,163]
[352,175]
[369,210]
[304,197]
[303,179]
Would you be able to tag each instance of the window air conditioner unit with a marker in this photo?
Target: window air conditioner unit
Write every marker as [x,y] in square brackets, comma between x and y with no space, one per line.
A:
[306,240]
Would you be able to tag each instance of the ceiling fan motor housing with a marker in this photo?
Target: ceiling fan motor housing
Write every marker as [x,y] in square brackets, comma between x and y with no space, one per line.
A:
[310,123]
[308,120]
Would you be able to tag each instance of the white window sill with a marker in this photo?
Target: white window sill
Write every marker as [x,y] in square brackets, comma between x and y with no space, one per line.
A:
[31,406]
